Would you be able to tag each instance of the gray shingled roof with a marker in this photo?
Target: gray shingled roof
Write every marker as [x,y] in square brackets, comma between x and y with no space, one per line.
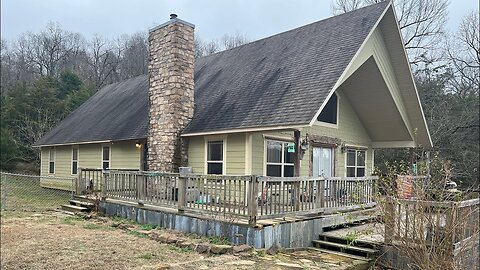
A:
[276,81]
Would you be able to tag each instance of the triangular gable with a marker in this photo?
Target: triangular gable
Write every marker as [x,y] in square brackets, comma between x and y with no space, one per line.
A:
[385,46]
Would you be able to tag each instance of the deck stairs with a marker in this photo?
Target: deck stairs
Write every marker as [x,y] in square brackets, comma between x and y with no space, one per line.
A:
[357,249]
[78,204]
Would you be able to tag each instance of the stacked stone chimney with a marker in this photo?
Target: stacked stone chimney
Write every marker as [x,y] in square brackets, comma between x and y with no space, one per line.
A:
[171,93]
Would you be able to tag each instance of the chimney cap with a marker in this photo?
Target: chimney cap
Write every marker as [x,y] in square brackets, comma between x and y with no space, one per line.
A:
[173,16]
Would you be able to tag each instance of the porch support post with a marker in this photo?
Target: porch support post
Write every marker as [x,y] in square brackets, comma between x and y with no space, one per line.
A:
[296,166]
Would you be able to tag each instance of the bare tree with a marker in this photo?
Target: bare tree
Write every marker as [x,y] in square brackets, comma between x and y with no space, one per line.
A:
[421,22]
[343,6]
[47,51]
[464,54]
[226,42]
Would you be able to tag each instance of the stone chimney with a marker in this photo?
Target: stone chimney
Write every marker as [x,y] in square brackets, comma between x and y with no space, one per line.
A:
[171,68]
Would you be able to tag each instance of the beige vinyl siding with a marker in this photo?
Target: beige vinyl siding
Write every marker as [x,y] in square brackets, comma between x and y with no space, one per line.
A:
[235,159]
[196,154]
[349,130]
[125,155]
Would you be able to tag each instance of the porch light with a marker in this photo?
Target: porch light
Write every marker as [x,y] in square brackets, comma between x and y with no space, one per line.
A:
[138,145]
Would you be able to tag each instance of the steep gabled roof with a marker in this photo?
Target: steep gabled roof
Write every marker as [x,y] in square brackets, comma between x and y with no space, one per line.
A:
[118,111]
[281,80]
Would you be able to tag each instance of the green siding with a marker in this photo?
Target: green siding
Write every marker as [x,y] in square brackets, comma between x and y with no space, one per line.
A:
[196,154]
[349,130]
[125,155]
[234,157]
[235,154]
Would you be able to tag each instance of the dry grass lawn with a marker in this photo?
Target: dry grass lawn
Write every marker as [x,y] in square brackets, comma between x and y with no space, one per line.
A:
[55,240]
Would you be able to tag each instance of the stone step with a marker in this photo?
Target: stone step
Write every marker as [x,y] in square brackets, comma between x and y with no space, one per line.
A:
[74,208]
[366,252]
[82,203]
[351,256]
[340,240]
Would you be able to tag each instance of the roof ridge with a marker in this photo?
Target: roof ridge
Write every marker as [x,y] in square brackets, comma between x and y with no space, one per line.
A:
[299,27]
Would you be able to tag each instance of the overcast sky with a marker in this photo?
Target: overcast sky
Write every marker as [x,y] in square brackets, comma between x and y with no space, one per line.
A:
[213,18]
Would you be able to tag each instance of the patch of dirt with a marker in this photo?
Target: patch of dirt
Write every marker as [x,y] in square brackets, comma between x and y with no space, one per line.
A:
[59,241]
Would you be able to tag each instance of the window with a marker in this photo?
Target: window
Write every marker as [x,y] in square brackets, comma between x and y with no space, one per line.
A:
[279,160]
[51,160]
[74,159]
[105,157]
[215,157]
[329,112]
[355,163]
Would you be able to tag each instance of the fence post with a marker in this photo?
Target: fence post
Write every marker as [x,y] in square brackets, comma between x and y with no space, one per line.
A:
[390,218]
[252,200]
[103,185]
[79,182]
[182,192]
[141,183]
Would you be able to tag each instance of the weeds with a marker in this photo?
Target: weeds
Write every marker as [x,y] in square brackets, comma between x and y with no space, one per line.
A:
[180,249]
[147,256]
[137,234]
[148,227]
[216,240]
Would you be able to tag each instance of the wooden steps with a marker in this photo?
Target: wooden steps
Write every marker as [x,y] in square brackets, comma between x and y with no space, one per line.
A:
[341,246]
[339,253]
[74,208]
[78,204]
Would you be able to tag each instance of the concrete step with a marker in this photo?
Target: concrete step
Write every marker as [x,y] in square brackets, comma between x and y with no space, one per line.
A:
[366,252]
[82,203]
[351,256]
[74,208]
[340,240]
[82,198]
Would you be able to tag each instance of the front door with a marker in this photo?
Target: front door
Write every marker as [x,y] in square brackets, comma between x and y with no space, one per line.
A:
[323,165]
[322,162]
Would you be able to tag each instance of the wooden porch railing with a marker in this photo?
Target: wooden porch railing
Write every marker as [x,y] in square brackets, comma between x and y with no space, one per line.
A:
[231,197]
[279,195]
[431,222]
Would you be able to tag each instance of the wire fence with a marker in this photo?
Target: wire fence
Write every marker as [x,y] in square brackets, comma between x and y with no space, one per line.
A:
[20,192]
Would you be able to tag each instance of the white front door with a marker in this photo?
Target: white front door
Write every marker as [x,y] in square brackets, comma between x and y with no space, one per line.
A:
[322,162]
[323,165]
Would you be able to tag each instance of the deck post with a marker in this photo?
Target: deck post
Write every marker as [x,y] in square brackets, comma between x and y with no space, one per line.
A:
[182,192]
[390,218]
[296,168]
[141,185]
[103,185]
[252,200]
[79,182]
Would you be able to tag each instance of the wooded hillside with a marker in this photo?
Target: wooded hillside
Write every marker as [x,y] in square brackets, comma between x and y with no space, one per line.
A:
[46,75]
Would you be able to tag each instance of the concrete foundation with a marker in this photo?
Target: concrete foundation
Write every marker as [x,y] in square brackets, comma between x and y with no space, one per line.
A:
[295,234]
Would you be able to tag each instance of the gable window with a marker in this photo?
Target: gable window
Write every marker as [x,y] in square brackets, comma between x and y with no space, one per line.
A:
[74,159]
[355,163]
[330,111]
[51,160]
[105,157]
[215,159]
[279,160]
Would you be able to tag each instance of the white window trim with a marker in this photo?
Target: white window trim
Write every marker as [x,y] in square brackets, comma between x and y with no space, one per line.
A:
[360,148]
[78,157]
[207,139]
[330,125]
[109,156]
[54,159]
[266,163]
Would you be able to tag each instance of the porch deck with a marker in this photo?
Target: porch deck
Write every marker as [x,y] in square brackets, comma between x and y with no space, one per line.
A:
[254,200]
